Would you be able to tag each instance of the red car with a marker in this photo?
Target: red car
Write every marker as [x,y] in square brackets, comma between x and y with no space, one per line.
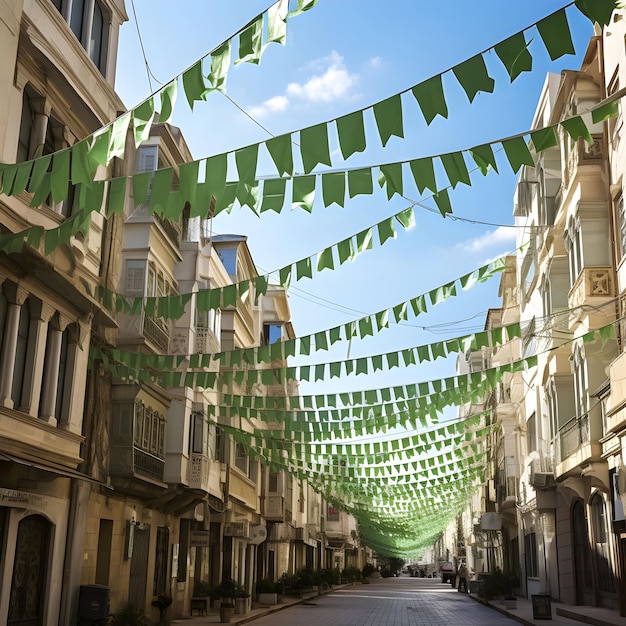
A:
[447,573]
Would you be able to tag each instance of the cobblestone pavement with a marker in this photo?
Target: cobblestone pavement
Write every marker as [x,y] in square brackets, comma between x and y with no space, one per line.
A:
[389,602]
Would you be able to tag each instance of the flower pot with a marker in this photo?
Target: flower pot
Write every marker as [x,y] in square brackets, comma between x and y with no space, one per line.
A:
[241,606]
[510,603]
[226,614]
[268,598]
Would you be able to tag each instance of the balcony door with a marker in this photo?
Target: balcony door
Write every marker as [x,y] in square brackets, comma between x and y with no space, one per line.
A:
[139,565]
[582,556]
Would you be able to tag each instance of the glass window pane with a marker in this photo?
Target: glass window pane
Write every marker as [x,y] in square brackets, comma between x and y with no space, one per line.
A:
[76,17]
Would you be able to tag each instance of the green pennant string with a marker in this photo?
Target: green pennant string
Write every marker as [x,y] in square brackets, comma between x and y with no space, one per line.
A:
[351,133]
[364,240]
[388,116]
[161,187]
[193,84]
[220,63]
[99,146]
[119,132]
[513,52]
[473,77]
[555,34]
[345,251]
[285,276]
[406,218]
[314,147]
[303,193]
[391,176]
[604,111]
[334,188]
[429,96]
[360,182]
[141,184]
[40,167]
[42,192]
[250,40]
[304,269]
[517,153]
[456,170]
[81,170]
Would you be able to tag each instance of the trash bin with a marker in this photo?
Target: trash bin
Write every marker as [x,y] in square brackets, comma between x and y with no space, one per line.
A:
[94,602]
[542,608]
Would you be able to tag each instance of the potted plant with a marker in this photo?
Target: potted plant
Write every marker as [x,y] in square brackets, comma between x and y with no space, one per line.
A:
[227,592]
[509,583]
[266,591]
[202,593]
[241,600]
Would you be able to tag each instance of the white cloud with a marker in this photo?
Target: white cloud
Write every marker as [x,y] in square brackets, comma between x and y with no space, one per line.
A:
[277,104]
[374,62]
[501,235]
[335,83]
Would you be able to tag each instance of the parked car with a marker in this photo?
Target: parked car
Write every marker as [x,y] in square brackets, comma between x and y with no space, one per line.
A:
[447,573]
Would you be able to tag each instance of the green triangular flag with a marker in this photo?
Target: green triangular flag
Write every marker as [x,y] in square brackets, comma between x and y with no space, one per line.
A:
[280,151]
[429,96]
[391,176]
[351,132]
[388,115]
[406,218]
[424,174]
[442,200]
[59,181]
[386,230]
[604,111]
[517,153]
[250,40]
[273,195]
[334,188]
[544,138]
[277,22]
[168,101]
[117,196]
[576,128]
[473,77]
[304,269]
[597,10]
[220,63]
[314,146]
[246,161]
[193,84]
[325,259]
[484,158]
[345,251]
[513,52]
[303,193]
[360,182]
[556,36]
[455,167]
[143,116]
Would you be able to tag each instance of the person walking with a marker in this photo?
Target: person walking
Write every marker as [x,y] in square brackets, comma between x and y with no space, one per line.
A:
[462,573]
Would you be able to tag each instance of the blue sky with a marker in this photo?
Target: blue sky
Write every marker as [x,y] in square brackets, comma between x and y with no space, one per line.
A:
[341,56]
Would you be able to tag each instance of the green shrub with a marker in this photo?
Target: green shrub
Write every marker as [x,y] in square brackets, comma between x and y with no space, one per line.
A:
[129,614]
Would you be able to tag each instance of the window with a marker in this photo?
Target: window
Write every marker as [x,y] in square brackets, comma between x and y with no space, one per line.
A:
[244,463]
[531,433]
[560,400]
[26,128]
[273,482]
[63,375]
[529,340]
[89,23]
[606,580]
[160,562]
[556,287]
[573,243]
[272,333]
[332,514]
[103,558]
[528,269]
[581,391]
[135,278]
[4,303]
[530,550]
[228,256]
[197,446]
[20,354]
[621,218]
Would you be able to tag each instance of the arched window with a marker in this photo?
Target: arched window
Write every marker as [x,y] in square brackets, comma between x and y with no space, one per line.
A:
[606,579]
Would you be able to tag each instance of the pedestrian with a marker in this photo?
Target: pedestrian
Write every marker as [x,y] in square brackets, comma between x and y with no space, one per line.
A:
[462,573]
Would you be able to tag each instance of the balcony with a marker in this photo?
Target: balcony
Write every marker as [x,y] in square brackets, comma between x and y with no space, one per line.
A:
[206,341]
[241,488]
[575,446]
[204,474]
[274,508]
[584,156]
[156,330]
[594,286]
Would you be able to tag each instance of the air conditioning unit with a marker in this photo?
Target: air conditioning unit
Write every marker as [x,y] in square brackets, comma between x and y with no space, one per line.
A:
[258,534]
[542,480]
[237,529]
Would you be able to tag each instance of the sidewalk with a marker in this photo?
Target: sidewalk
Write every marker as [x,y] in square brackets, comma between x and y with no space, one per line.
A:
[562,614]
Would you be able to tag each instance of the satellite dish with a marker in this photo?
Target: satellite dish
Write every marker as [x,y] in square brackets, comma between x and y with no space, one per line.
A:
[258,534]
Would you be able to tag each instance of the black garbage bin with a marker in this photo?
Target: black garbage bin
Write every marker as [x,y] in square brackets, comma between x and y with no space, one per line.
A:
[93,603]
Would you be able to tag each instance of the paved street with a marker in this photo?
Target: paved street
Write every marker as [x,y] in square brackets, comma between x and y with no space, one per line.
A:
[389,602]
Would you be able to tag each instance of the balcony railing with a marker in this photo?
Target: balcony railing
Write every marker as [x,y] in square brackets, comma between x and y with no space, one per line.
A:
[572,435]
[206,341]
[157,331]
[592,282]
